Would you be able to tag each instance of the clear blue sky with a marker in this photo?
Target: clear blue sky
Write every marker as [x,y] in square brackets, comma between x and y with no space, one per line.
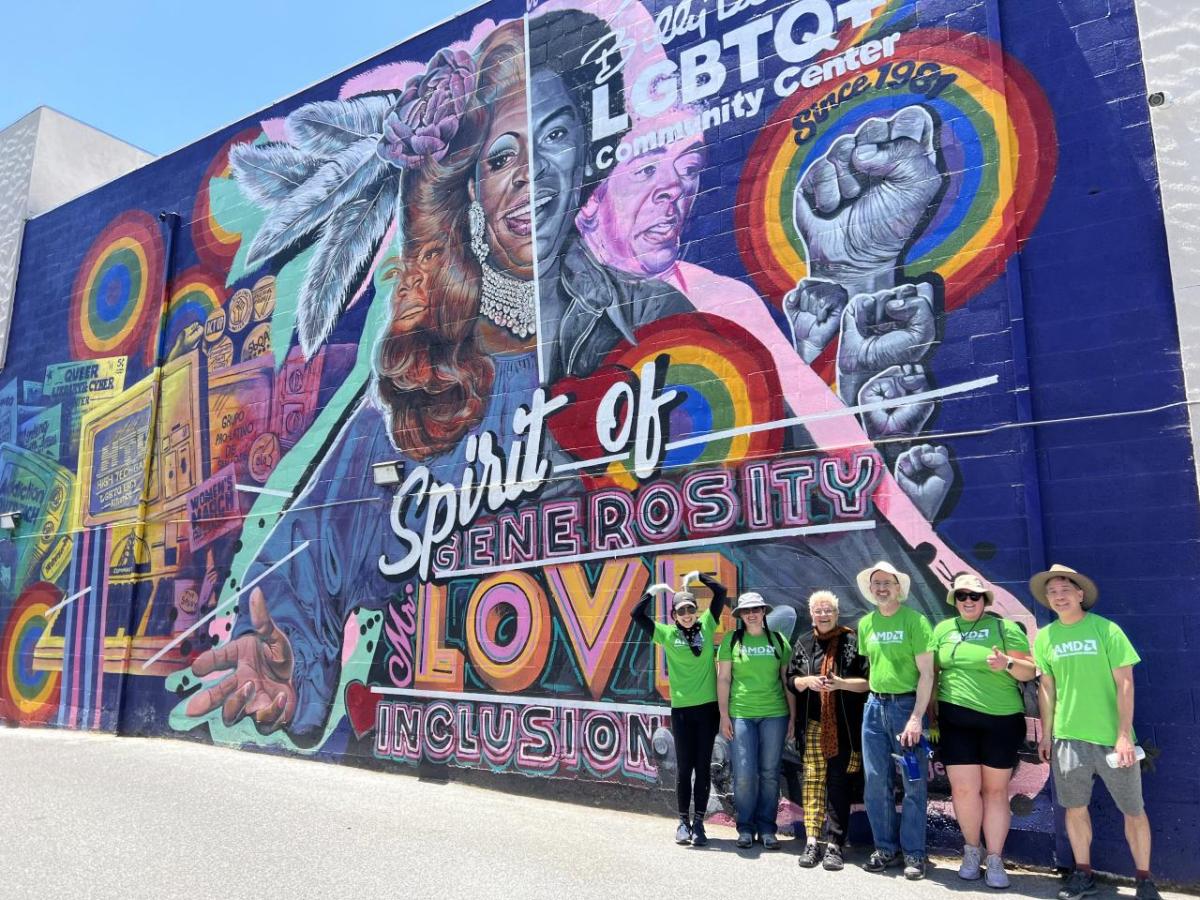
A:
[163,73]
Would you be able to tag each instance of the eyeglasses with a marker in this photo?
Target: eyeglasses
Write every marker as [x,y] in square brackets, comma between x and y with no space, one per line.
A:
[964,596]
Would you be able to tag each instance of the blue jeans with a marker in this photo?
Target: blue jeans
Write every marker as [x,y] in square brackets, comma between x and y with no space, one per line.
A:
[883,720]
[757,750]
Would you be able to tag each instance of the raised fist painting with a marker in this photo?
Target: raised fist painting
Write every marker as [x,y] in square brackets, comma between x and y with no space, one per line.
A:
[814,310]
[884,329]
[858,206]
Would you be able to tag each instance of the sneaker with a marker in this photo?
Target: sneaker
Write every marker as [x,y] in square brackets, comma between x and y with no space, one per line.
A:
[770,842]
[833,859]
[745,840]
[914,867]
[699,838]
[683,834]
[810,856]
[969,870]
[1078,884]
[996,876]
[880,860]
[1146,890]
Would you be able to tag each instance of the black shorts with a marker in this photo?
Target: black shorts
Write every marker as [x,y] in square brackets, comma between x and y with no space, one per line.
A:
[971,738]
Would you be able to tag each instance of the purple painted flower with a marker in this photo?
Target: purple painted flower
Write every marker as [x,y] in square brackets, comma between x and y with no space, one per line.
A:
[425,118]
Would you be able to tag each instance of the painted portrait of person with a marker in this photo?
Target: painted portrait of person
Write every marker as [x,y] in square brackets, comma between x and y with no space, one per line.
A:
[455,360]
[585,307]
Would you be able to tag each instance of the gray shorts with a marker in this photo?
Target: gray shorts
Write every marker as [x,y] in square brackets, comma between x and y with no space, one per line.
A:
[1074,763]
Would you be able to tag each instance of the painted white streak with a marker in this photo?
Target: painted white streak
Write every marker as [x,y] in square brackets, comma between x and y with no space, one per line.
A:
[797,420]
[56,607]
[220,607]
[837,413]
[588,463]
[251,489]
[636,708]
[670,545]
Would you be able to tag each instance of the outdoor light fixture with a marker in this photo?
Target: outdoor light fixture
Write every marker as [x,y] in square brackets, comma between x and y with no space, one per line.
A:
[386,474]
[10,520]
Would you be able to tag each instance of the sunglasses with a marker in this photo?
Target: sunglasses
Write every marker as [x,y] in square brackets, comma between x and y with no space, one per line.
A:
[963,596]
[685,610]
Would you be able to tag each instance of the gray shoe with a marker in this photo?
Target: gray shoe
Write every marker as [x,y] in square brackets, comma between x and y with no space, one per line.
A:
[683,834]
[745,840]
[969,870]
[914,867]
[770,842]
[996,876]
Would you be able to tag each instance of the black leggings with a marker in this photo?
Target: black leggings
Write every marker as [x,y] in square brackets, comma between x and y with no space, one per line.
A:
[695,730]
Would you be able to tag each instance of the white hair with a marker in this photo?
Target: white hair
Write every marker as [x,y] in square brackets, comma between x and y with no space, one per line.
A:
[828,596]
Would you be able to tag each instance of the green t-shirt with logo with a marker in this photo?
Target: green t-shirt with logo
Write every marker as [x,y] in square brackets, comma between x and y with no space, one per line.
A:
[757,689]
[964,677]
[892,644]
[1080,658]
[693,678]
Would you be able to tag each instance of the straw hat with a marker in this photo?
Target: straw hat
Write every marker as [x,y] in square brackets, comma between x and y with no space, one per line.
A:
[864,580]
[1037,584]
[968,581]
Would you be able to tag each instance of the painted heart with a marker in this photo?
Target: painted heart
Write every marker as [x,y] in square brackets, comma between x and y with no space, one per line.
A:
[360,708]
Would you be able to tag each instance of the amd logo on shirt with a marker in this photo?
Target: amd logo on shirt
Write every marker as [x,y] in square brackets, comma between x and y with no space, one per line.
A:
[970,636]
[755,651]
[888,637]
[1089,647]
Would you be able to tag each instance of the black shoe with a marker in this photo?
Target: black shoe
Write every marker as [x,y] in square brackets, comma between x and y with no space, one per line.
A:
[880,860]
[833,859]
[699,838]
[1078,884]
[745,840]
[770,842]
[914,867]
[1146,890]
[810,856]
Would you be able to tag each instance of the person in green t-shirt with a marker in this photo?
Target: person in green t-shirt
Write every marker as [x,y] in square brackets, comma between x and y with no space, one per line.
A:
[981,659]
[756,714]
[1086,700]
[898,642]
[687,644]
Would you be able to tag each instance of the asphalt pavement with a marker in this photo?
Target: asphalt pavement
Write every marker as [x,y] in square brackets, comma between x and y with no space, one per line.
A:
[85,816]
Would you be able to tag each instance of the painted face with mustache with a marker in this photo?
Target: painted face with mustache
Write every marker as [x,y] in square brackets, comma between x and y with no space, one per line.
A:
[501,186]
[634,219]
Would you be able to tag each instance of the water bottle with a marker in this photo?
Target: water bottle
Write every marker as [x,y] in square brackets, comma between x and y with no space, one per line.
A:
[1138,754]
[910,763]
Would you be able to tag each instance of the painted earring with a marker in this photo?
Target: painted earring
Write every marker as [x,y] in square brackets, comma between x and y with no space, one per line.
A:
[478,226]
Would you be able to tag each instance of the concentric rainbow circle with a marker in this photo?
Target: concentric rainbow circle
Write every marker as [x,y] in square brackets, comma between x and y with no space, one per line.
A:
[112,304]
[27,695]
[727,380]
[194,295]
[216,246]
[997,141]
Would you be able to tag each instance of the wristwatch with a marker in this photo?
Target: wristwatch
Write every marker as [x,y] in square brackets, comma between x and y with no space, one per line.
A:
[1008,666]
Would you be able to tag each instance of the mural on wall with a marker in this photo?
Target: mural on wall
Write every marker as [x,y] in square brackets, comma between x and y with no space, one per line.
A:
[373,451]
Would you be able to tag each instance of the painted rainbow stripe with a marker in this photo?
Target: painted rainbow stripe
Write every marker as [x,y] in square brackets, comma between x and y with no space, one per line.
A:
[113,297]
[215,245]
[997,140]
[195,294]
[27,695]
[727,380]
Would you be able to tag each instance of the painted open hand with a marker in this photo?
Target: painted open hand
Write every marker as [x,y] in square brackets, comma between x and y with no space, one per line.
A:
[926,476]
[888,328]
[261,683]
[896,383]
[814,309]
[859,205]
